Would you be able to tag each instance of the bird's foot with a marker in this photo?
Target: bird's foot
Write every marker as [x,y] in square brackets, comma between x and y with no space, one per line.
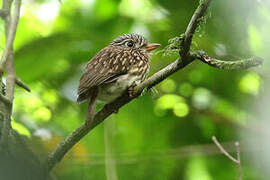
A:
[131,93]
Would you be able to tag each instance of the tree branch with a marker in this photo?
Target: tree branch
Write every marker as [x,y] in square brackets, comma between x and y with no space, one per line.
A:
[5,100]
[185,59]
[20,83]
[3,13]
[192,26]
[237,145]
[229,65]
[7,59]
[224,151]
[236,161]
[11,28]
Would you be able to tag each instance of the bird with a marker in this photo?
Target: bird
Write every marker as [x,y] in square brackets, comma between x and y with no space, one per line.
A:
[118,67]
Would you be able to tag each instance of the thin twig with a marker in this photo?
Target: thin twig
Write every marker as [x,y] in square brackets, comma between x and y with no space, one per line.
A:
[20,83]
[157,155]
[236,161]
[237,145]
[229,65]
[224,151]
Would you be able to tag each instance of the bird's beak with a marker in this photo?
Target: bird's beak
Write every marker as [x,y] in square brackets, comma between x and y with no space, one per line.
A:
[151,47]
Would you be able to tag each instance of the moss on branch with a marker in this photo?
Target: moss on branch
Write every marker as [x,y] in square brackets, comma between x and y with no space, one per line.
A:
[229,65]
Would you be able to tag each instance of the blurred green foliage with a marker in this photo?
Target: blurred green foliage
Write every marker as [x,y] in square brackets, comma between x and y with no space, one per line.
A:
[53,43]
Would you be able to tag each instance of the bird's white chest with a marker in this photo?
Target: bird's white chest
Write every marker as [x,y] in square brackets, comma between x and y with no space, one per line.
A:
[110,92]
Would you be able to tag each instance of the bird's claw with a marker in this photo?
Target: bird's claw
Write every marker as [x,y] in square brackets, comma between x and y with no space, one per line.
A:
[131,93]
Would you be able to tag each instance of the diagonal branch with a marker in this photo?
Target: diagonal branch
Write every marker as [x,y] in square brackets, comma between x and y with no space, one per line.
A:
[186,58]
[224,151]
[192,26]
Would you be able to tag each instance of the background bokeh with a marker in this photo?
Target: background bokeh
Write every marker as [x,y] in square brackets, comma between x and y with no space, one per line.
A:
[165,134]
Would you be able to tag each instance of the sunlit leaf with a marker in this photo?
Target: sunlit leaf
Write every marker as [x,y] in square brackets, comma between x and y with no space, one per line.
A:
[186,89]
[20,128]
[197,169]
[201,98]
[250,83]
[42,114]
[168,86]
[181,109]
[255,39]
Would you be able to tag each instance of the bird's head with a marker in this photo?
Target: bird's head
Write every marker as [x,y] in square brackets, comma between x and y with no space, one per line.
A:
[134,41]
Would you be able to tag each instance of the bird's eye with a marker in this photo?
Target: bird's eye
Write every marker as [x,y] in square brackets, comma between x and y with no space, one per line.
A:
[130,44]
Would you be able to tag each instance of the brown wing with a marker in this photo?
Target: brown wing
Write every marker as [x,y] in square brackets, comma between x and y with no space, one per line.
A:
[105,67]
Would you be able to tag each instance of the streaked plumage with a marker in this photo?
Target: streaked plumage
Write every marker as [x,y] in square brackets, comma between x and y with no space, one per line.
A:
[120,65]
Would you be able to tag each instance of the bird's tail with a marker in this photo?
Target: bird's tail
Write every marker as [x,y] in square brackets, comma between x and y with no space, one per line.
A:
[82,97]
[91,106]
